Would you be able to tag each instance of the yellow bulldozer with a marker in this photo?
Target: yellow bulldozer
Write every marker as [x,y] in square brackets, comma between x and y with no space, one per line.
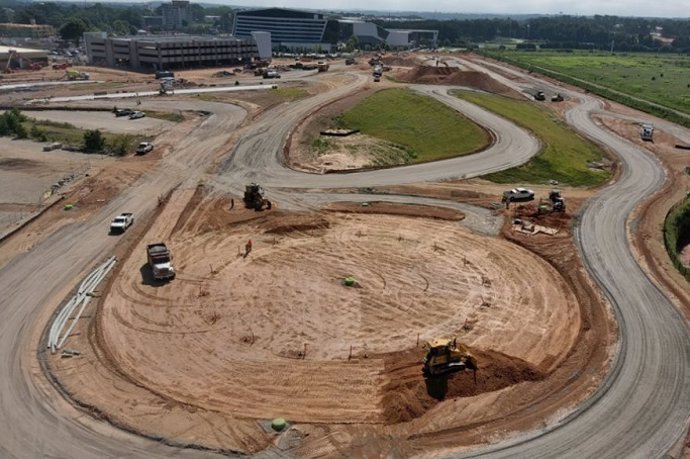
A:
[444,356]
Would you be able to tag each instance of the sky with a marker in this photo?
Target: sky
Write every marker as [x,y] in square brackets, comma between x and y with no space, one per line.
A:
[647,8]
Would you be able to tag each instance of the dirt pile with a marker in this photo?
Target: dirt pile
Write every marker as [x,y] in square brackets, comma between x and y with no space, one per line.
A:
[400,61]
[291,223]
[454,76]
[408,395]
[390,208]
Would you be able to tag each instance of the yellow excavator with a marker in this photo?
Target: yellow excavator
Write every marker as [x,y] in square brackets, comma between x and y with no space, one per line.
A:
[445,356]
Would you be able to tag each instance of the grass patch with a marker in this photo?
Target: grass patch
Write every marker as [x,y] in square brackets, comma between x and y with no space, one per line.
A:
[425,129]
[677,233]
[70,135]
[321,145]
[564,155]
[291,93]
[654,83]
[167,116]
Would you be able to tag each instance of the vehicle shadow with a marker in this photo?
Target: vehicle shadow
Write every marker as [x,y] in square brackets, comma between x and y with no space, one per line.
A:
[437,387]
[147,276]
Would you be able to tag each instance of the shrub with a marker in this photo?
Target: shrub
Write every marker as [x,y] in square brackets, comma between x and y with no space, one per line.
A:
[121,144]
[93,140]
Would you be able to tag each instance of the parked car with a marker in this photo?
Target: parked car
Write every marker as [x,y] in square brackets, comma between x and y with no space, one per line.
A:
[136,115]
[144,147]
[121,222]
[518,195]
[123,112]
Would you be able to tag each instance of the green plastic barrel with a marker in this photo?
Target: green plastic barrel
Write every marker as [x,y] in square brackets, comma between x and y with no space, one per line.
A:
[278,424]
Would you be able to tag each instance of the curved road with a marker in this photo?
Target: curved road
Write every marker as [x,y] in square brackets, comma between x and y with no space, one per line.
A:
[641,411]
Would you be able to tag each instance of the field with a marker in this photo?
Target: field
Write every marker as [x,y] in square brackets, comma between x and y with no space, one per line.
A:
[658,78]
[425,128]
[564,156]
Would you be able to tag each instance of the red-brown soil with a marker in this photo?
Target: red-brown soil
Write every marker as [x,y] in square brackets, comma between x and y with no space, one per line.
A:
[455,77]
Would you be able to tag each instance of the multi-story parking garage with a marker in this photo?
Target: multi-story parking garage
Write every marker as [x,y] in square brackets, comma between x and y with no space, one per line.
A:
[167,52]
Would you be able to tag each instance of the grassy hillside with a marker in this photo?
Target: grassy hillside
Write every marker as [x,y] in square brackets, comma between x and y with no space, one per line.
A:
[564,155]
[423,127]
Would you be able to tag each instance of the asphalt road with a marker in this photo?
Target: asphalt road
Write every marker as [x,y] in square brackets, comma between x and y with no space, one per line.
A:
[640,411]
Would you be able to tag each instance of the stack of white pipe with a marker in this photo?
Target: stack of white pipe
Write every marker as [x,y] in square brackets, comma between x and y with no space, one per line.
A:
[56,338]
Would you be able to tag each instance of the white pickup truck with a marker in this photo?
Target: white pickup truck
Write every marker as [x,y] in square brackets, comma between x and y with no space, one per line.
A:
[121,222]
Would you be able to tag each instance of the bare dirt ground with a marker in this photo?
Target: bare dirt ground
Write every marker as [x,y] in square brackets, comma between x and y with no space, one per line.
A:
[241,325]
[86,195]
[102,120]
[301,155]
[27,174]
[389,208]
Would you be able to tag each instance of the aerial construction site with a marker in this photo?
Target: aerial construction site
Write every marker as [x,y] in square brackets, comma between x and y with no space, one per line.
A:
[262,270]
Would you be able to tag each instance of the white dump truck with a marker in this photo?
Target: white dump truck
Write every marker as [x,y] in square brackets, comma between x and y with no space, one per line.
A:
[160,260]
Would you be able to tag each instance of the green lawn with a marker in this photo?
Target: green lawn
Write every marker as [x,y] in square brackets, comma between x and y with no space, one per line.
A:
[167,116]
[292,93]
[564,155]
[659,78]
[426,129]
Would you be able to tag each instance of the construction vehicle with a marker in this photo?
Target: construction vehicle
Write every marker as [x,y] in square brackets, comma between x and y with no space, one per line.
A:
[61,66]
[72,75]
[164,74]
[555,203]
[444,356]
[322,66]
[160,260]
[647,132]
[121,222]
[12,54]
[540,96]
[167,86]
[557,97]
[254,198]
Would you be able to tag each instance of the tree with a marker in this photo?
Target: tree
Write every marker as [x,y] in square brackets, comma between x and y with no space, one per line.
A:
[121,27]
[73,29]
[352,44]
[37,134]
[93,140]
[121,144]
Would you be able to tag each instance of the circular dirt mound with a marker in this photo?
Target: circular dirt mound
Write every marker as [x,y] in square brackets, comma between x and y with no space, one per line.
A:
[277,333]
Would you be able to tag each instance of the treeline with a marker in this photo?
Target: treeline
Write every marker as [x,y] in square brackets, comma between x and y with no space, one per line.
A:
[676,230]
[574,32]
[15,124]
[72,19]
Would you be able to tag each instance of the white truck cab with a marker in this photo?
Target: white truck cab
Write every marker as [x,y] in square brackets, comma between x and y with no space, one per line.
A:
[121,222]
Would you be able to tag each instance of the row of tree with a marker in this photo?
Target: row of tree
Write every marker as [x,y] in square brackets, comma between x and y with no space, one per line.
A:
[585,32]
[589,32]
[72,19]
